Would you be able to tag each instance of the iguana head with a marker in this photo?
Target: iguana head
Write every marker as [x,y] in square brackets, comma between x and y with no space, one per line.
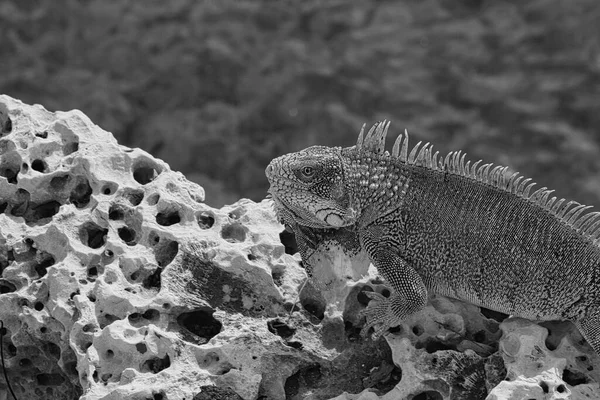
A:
[309,188]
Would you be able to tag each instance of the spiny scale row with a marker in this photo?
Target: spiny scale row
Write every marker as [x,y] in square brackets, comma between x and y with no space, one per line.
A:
[571,213]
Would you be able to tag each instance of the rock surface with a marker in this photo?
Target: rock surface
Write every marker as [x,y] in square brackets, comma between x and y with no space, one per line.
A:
[119,282]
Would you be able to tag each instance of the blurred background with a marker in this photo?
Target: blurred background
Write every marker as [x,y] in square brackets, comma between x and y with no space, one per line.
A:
[217,88]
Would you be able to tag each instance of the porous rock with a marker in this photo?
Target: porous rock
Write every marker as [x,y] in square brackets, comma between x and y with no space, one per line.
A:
[119,282]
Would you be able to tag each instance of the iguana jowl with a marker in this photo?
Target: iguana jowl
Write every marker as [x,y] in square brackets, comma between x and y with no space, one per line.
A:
[442,224]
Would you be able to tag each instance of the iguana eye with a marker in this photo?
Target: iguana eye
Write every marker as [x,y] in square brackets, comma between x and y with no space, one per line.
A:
[308,171]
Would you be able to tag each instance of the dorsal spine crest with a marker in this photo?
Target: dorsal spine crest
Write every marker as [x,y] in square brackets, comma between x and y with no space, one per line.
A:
[572,213]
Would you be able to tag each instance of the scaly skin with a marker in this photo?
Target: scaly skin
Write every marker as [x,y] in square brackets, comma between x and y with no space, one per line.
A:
[443,225]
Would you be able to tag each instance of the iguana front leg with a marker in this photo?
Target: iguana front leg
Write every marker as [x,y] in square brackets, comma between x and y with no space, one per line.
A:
[408,296]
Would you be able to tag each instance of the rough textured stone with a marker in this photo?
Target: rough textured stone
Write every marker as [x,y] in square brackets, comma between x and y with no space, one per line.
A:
[116,278]
[119,282]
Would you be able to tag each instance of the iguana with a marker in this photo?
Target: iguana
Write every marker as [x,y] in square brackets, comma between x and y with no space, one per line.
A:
[445,225]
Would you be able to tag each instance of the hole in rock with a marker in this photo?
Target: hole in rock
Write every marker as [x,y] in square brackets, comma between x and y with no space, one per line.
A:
[44,210]
[89,328]
[205,220]
[152,281]
[432,345]
[352,332]
[116,212]
[109,354]
[168,218]
[43,135]
[479,336]
[280,328]
[561,388]
[153,238]
[417,330]
[295,344]
[134,318]
[24,167]
[556,332]
[127,235]
[21,203]
[429,395]
[141,348]
[10,172]
[574,377]
[277,275]
[544,387]
[7,286]
[107,256]
[93,271]
[12,350]
[237,213]
[145,171]
[93,235]
[165,252]
[49,379]
[288,239]
[39,306]
[252,257]
[75,293]
[109,188]
[7,125]
[81,194]
[361,297]
[43,329]
[217,393]
[25,362]
[234,233]
[59,182]
[134,196]
[303,380]
[38,165]
[23,302]
[106,319]
[158,396]
[3,207]
[46,261]
[151,314]
[495,315]
[156,364]
[70,148]
[200,323]
[313,307]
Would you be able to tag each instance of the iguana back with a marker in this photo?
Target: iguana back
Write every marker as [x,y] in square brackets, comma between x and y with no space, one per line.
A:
[448,226]
[479,243]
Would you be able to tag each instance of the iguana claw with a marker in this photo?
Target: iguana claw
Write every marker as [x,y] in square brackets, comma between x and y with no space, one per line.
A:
[378,314]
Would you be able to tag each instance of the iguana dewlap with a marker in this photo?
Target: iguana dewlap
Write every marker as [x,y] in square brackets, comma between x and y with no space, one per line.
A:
[442,224]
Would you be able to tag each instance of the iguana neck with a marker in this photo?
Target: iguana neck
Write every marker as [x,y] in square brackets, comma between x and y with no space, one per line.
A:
[377,184]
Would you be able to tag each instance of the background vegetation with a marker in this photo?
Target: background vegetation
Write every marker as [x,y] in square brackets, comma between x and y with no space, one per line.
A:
[217,88]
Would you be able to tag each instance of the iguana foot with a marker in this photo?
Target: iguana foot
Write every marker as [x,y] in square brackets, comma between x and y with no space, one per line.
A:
[379,314]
